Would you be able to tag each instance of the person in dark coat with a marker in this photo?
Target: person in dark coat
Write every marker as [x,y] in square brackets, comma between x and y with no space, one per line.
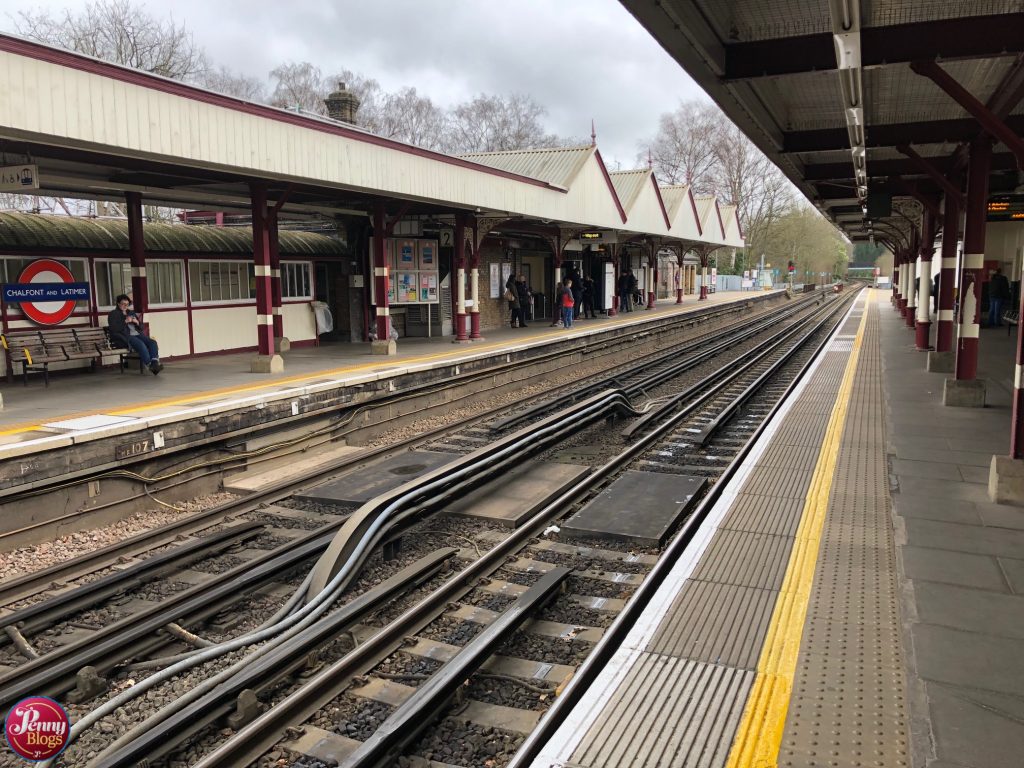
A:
[587,298]
[625,292]
[577,291]
[126,332]
[998,293]
[935,293]
[523,294]
[512,296]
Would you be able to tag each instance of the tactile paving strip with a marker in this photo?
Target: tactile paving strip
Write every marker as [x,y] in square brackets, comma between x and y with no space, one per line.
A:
[702,706]
[848,706]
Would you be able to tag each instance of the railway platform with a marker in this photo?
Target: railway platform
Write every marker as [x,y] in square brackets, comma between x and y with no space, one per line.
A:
[851,598]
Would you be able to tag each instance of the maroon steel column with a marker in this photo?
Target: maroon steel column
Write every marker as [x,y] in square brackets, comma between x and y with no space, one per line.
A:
[261,258]
[137,252]
[381,278]
[679,277]
[974,258]
[924,301]
[275,272]
[652,273]
[950,235]
[703,274]
[474,287]
[612,311]
[459,268]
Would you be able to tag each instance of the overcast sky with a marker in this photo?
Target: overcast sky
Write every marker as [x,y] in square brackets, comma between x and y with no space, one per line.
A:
[580,59]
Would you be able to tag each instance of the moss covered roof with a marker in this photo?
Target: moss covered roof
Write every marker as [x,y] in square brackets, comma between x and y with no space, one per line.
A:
[29,231]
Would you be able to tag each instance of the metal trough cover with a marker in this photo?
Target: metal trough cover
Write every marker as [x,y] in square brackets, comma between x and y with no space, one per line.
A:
[640,506]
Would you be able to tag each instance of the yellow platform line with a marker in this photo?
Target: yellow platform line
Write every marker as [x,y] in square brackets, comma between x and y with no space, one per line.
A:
[759,736]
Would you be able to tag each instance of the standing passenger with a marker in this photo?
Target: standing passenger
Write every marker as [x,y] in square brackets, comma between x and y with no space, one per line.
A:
[523,294]
[512,297]
[588,297]
[567,303]
[625,294]
[998,292]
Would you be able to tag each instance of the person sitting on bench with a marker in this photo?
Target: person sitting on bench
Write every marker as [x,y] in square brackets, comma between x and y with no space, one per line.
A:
[126,331]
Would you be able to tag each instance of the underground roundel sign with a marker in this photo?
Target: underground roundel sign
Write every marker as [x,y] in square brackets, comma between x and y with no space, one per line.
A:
[46,291]
[37,728]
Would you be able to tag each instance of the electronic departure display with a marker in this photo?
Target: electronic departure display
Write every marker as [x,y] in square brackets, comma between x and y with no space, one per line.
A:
[1006,208]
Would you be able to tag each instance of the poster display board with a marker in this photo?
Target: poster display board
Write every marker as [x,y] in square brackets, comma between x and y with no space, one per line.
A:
[412,272]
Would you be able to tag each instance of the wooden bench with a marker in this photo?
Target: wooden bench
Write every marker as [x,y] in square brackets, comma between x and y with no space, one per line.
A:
[35,350]
[1011,317]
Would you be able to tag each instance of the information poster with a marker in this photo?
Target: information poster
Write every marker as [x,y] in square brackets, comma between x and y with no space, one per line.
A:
[406,282]
[428,287]
[428,254]
[406,251]
[496,281]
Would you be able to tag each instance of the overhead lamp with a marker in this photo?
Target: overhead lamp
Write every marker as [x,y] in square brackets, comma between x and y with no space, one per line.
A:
[862,190]
[847,49]
[855,116]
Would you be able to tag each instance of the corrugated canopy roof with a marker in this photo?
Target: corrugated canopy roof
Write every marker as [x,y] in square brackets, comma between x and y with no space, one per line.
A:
[628,185]
[27,231]
[557,166]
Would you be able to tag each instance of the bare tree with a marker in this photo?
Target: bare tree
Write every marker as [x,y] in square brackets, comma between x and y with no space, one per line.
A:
[409,117]
[496,123]
[683,151]
[299,85]
[744,176]
[118,31]
[223,80]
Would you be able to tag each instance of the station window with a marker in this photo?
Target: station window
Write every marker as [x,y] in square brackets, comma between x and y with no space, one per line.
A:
[295,280]
[112,279]
[221,281]
[165,283]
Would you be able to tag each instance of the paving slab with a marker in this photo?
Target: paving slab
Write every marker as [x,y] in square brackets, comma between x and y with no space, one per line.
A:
[1013,570]
[976,728]
[969,659]
[979,540]
[973,610]
[943,566]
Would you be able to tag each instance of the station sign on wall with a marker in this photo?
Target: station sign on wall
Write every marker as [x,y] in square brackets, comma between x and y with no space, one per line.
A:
[19,178]
[46,291]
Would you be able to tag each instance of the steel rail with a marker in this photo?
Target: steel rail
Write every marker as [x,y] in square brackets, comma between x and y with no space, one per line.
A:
[738,333]
[746,360]
[157,739]
[41,615]
[417,712]
[54,673]
[602,653]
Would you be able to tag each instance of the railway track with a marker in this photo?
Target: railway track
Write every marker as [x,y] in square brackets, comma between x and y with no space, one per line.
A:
[601,576]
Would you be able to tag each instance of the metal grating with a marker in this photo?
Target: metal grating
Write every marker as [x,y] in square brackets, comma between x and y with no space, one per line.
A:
[848,706]
[888,12]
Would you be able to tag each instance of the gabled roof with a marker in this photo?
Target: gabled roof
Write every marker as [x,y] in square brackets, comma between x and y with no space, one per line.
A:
[708,215]
[731,225]
[559,165]
[628,185]
[682,211]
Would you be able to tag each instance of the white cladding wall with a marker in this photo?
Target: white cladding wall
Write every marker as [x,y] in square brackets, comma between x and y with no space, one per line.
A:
[1004,241]
[223,328]
[170,329]
[298,322]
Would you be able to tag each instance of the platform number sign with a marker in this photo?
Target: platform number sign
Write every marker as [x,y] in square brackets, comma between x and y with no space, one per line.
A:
[446,237]
[46,291]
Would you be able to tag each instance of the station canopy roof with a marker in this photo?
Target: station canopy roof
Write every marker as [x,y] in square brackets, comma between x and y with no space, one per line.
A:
[97,130]
[843,95]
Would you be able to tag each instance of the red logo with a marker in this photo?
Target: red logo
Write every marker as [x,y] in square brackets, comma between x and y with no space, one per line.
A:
[47,312]
[37,728]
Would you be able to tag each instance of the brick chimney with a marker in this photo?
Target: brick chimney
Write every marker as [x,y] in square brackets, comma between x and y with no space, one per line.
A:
[342,105]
